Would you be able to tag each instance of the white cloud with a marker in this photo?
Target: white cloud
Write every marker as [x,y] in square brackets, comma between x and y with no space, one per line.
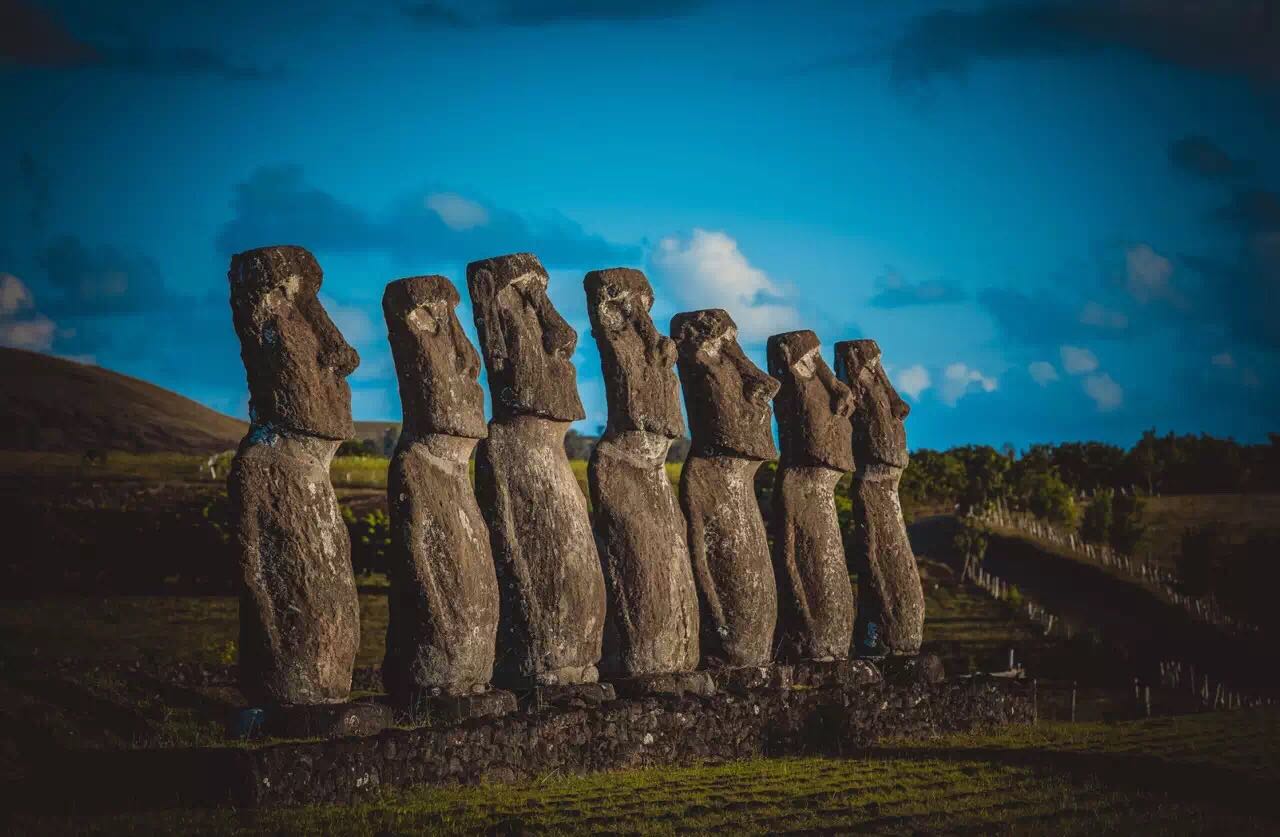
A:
[1105,392]
[34,331]
[1223,360]
[1078,361]
[457,212]
[35,334]
[1147,273]
[1097,315]
[15,296]
[958,380]
[1042,372]
[913,380]
[707,270]
[355,323]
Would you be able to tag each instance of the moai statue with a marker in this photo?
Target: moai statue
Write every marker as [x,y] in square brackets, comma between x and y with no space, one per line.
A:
[728,400]
[815,598]
[444,592]
[550,583]
[890,598]
[299,614]
[640,530]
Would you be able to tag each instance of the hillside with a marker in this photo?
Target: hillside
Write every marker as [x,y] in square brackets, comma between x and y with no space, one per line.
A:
[51,404]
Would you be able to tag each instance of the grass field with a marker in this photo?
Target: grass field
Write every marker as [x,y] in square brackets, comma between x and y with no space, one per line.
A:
[1193,774]
[1168,517]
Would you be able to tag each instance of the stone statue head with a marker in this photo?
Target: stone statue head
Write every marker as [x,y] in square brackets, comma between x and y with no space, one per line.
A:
[813,407]
[727,396]
[296,360]
[639,379]
[879,436]
[528,347]
[437,366]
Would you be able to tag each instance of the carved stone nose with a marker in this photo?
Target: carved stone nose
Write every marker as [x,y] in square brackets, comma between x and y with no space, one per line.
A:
[762,389]
[341,358]
[843,406]
[666,350]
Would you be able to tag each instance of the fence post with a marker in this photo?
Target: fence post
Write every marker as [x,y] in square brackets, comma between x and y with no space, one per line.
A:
[1073,701]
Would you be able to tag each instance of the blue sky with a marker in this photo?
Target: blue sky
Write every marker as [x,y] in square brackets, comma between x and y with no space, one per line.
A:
[1060,221]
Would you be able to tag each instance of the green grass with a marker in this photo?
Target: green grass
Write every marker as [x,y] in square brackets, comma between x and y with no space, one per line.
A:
[1169,516]
[1195,774]
[159,629]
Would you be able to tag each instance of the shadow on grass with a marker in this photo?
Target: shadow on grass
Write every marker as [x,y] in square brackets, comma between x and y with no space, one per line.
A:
[1233,790]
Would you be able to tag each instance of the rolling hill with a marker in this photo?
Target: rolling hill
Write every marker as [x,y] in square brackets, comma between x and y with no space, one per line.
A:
[51,404]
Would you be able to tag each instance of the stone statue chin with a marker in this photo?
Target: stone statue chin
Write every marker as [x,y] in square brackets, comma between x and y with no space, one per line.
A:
[640,530]
[728,399]
[444,592]
[550,581]
[299,614]
[816,607]
[890,597]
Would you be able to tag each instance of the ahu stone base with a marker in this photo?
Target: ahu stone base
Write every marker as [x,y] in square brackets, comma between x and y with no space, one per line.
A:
[808,718]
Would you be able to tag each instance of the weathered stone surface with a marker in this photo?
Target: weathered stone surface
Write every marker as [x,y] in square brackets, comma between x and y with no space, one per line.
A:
[727,397]
[831,674]
[457,708]
[566,696]
[299,614]
[334,721]
[670,684]
[444,590]
[919,669]
[297,362]
[640,531]
[519,746]
[890,597]
[551,586]
[815,598]
[741,680]
[528,347]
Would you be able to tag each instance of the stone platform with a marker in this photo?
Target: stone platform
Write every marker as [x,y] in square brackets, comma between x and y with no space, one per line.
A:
[833,711]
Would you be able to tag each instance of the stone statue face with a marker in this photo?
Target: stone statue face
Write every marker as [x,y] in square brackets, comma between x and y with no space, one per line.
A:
[813,407]
[640,383]
[528,347]
[296,360]
[436,363]
[727,396]
[879,436]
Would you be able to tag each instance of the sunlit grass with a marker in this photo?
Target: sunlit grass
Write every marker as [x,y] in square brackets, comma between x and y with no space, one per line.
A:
[1057,778]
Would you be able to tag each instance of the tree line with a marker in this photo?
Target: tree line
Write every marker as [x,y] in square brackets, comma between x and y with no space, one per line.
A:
[1046,478]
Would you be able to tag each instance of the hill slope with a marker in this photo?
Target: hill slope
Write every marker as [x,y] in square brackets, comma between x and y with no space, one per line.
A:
[47,403]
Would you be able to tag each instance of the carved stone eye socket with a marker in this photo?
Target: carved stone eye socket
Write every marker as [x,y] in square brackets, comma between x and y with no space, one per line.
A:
[424,319]
[279,297]
[807,366]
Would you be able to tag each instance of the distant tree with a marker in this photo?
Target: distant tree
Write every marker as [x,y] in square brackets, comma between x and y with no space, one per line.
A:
[932,478]
[390,438]
[359,447]
[1127,527]
[679,450]
[1048,497]
[970,542]
[579,446]
[985,472]
[1095,527]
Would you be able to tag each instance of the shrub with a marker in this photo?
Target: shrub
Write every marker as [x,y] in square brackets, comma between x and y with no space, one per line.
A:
[1096,526]
[1127,527]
